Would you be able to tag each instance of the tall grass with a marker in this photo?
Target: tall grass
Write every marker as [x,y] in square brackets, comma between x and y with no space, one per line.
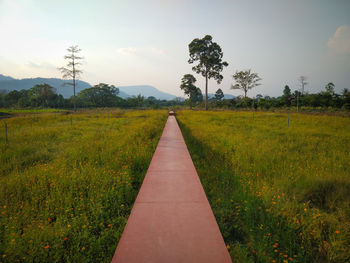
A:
[279,194]
[66,192]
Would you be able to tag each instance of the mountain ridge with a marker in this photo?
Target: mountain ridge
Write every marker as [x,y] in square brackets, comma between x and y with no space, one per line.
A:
[8,84]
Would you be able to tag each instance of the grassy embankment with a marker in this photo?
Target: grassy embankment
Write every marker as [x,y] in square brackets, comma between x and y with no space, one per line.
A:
[66,192]
[279,194]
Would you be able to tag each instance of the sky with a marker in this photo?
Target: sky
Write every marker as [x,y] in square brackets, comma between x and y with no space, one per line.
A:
[145,42]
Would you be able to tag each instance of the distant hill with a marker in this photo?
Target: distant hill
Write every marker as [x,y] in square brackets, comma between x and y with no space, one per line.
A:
[3,77]
[226,96]
[8,84]
[146,91]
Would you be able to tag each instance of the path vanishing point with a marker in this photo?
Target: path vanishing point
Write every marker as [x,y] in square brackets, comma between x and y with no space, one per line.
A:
[171,220]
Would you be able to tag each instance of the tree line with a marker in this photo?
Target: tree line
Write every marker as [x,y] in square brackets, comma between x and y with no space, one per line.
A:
[208,56]
[326,98]
[101,95]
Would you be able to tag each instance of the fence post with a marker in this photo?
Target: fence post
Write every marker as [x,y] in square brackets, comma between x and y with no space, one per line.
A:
[7,139]
[71,124]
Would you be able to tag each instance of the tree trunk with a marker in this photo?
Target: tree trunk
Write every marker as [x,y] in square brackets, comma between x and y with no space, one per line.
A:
[75,107]
[206,91]
[245,94]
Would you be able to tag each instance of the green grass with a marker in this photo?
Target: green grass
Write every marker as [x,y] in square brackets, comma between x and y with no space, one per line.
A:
[279,194]
[66,192]
[35,110]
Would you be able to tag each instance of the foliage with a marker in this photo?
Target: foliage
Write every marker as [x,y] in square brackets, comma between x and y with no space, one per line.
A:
[330,88]
[209,55]
[287,96]
[101,95]
[42,94]
[279,194]
[245,80]
[66,192]
[194,93]
[219,95]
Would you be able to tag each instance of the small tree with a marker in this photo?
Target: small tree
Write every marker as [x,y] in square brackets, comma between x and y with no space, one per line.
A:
[219,95]
[187,85]
[42,94]
[209,57]
[245,80]
[71,72]
[286,96]
[330,88]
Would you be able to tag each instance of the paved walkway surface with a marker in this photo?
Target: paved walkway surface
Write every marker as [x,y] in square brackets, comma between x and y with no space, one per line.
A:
[171,220]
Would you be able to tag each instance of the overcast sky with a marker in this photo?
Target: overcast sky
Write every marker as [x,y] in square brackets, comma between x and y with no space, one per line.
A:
[146,42]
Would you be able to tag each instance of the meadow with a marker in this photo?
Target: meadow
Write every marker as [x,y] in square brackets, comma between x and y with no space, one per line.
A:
[279,193]
[68,181]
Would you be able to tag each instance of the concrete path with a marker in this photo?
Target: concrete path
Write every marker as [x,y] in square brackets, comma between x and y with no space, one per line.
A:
[171,220]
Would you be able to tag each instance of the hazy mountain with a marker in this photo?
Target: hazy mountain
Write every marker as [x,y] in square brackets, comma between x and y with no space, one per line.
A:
[146,91]
[226,96]
[3,77]
[8,84]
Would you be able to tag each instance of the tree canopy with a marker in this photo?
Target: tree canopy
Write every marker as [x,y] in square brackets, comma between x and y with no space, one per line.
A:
[245,80]
[187,85]
[209,55]
[101,95]
[219,95]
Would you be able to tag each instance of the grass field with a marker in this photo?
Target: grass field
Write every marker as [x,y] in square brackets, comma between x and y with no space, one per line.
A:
[66,191]
[279,193]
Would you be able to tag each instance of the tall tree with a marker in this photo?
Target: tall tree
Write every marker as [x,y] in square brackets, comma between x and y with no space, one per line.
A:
[219,95]
[71,71]
[303,83]
[187,85]
[245,80]
[209,57]
[286,96]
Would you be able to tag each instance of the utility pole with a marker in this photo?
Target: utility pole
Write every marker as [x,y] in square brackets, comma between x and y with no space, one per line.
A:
[297,101]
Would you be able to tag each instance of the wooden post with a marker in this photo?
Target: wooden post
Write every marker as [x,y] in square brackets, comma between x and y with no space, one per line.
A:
[298,102]
[7,140]
[71,124]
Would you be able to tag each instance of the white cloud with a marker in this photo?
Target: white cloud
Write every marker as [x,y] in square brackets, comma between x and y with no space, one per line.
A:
[340,41]
[41,65]
[141,51]
[127,50]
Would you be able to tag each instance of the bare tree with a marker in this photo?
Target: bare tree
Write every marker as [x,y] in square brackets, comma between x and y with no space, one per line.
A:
[303,83]
[71,72]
